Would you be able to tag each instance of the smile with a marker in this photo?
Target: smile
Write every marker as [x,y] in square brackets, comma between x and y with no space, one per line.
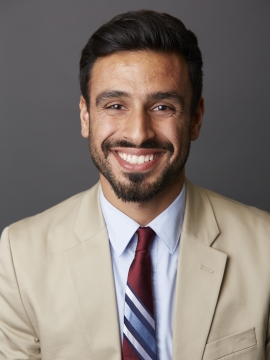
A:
[135,159]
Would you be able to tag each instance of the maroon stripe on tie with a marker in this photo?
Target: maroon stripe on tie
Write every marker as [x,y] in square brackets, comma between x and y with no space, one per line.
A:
[128,352]
[140,272]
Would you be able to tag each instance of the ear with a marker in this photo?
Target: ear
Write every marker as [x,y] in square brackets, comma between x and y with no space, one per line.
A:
[84,115]
[196,121]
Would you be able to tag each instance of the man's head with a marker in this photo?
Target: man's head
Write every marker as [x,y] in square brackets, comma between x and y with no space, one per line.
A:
[143,30]
[141,82]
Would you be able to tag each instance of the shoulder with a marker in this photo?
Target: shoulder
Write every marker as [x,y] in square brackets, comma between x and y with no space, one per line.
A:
[234,219]
[244,231]
[228,207]
[60,216]
[241,232]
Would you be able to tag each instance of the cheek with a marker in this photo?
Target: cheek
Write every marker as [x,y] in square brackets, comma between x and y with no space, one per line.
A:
[178,134]
[101,127]
[172,132]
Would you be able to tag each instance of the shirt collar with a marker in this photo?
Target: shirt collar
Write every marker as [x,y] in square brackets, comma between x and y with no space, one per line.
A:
[167,225]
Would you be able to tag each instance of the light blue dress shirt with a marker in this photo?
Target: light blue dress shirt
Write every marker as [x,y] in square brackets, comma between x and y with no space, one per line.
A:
[164,255]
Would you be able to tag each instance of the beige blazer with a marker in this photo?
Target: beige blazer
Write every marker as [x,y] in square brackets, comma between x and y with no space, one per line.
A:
[57,296]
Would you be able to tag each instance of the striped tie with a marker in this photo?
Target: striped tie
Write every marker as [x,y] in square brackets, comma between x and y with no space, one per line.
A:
[139,340]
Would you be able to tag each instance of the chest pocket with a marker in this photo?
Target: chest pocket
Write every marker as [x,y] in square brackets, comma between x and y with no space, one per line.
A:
[230,344]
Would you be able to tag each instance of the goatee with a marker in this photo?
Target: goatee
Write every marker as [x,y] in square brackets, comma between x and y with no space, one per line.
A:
[136,188]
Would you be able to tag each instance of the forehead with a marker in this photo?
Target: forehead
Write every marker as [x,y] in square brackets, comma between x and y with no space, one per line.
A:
[140,72]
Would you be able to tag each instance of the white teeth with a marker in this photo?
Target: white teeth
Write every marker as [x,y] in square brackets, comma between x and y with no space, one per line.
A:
[134,159]
[141,159]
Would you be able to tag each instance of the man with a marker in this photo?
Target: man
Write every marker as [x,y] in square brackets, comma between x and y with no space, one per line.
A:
[145,265]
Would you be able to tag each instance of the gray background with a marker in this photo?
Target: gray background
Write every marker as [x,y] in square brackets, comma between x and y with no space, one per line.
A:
[43,157]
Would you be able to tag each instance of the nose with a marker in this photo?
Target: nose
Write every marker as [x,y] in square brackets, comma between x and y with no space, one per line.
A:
[139,127]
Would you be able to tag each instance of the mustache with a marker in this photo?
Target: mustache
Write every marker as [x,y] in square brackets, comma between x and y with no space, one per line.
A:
[147,144]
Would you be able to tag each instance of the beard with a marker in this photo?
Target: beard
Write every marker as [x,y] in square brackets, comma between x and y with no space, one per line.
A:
[136,188]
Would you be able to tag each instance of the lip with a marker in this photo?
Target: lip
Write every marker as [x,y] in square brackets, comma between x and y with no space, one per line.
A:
[132,151]
[138,152]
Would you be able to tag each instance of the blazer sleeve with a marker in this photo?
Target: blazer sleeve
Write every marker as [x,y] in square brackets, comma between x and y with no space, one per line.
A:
[267,343]
[267,351]
[18,339]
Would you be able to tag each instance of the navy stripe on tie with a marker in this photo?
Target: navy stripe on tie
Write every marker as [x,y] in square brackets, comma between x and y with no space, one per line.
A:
[139,339]
[134,293]
[138,326]
[140,316]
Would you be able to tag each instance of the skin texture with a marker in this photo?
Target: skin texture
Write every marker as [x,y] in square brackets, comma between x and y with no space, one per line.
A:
[140,105]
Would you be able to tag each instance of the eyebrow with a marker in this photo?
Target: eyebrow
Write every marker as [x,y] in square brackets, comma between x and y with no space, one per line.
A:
[110,94]
[160,95]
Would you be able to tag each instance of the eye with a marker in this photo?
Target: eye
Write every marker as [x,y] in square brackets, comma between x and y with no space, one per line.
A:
[115,107]
[161,107]
[163,110]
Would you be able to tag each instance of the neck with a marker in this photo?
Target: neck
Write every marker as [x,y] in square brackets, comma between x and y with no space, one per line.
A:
[144,212]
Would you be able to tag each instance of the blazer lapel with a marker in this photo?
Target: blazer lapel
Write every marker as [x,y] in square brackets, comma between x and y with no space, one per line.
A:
[90,269]
[199,277]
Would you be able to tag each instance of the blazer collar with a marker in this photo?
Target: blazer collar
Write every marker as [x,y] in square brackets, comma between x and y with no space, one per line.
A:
[89,220]
[199,221]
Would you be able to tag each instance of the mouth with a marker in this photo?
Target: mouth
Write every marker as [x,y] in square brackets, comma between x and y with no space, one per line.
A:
[138,159]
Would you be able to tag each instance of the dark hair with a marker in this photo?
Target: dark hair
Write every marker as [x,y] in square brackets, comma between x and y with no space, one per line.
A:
[143,30]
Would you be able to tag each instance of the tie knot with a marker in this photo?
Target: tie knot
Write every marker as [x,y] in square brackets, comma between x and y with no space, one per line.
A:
[145,237]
